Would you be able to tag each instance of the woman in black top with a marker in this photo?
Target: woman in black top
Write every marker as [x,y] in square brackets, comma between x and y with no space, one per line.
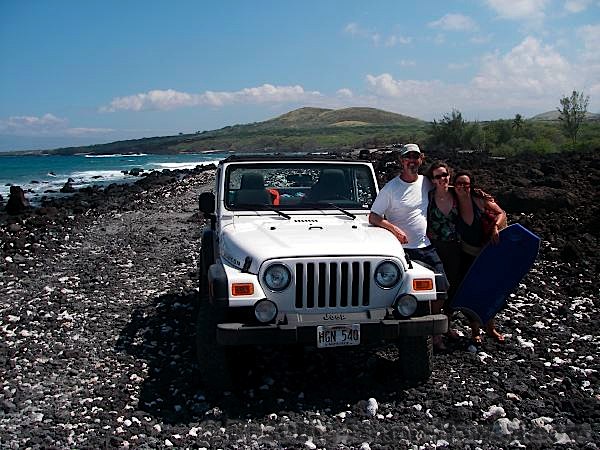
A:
[474,209]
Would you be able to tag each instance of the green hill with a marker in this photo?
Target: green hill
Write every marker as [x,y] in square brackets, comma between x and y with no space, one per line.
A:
[318,118]
[303,129]
[314,118]
[312,129]
[554,115]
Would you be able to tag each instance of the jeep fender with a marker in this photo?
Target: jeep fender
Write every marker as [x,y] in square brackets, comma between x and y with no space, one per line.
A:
[218,291]
[208,246]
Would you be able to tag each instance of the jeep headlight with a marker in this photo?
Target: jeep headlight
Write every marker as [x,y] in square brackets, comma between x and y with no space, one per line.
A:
[406,305]
[387,274]
[265,311]
[277,277]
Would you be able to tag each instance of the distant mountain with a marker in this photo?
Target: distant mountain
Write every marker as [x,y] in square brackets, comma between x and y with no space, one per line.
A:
[300,129]
[306,118]
[554,115]
[319,117]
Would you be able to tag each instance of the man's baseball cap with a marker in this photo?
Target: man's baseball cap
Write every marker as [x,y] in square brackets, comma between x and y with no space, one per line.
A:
[410,148]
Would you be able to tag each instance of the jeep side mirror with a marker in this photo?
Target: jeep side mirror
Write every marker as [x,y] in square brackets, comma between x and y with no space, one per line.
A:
[207,202]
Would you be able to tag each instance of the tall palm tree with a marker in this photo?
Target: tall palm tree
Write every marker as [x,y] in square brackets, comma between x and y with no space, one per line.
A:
[517,123]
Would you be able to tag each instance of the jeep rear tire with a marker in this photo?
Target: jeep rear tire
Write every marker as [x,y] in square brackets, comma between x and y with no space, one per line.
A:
[415,360]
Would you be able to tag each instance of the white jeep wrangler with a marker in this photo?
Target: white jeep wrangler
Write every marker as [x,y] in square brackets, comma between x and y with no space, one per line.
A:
[290,258]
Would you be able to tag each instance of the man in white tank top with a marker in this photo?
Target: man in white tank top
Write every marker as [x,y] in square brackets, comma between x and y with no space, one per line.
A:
[401,208]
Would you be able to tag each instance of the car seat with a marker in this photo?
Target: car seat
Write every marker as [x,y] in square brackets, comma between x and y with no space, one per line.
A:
[252,190]
[331,186]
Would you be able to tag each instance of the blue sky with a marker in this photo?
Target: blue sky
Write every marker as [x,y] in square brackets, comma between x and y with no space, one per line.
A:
[78,73]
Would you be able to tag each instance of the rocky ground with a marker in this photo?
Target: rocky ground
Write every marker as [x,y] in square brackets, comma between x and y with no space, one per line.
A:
[97,311]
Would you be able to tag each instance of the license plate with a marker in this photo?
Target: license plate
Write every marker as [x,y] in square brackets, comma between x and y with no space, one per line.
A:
[338,335]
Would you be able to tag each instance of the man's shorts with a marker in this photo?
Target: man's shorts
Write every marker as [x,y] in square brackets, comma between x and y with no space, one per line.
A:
[429,256]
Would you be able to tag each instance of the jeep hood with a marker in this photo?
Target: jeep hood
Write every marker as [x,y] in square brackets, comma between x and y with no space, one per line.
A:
[303,236]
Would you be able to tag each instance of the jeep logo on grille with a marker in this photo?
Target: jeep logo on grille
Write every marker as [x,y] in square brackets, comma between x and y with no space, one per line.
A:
[334,317]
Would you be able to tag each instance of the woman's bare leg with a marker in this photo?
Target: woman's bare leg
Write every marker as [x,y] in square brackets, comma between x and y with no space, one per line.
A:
[490,329]
[475,333]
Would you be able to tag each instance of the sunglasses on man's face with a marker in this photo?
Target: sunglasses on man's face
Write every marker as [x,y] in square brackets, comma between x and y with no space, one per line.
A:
[412,155]
[439,176]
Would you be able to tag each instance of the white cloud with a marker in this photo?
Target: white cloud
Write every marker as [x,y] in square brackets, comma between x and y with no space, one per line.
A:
[46,125]
[530,77]
[355,29]
[170,99]
[375,37]
[80,131]
[529,66]
[407,63]
[46,122]
[352,28]
[590,59]
[519,9]
[385,85]
[159,99]
[533,74]
[394,40]
[455,22]
[344,93]
[577,6]
[590,35]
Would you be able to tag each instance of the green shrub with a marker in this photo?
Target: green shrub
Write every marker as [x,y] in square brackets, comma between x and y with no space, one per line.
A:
[504,150]
[543,146]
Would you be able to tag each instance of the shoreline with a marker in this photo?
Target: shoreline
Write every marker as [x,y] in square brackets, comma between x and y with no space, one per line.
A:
[41,177]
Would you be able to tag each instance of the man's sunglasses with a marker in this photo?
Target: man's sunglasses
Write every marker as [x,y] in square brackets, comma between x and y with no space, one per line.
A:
[440,175]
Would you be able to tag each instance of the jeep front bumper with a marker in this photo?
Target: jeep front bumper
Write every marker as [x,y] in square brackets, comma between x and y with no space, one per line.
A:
[306,333]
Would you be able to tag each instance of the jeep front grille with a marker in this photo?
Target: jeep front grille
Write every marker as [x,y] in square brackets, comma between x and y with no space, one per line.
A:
[332,284]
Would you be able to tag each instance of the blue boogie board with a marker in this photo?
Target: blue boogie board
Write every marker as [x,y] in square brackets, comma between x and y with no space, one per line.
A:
[496,272]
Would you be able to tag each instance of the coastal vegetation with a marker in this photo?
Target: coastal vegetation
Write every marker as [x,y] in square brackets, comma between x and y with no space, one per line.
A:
[568,128]
[549,132]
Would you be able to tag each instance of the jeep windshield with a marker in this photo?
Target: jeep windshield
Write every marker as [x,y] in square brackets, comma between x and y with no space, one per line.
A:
[299,186]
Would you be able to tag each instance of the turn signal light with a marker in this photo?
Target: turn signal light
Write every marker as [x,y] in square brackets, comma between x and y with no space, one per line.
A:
[422,284]
[242,289]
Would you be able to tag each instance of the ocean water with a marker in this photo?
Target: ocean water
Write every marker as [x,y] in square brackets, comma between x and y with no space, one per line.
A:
[37,174]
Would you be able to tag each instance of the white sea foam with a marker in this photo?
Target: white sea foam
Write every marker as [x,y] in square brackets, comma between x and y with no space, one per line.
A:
[184,165]
[85,172]
[116,155]
[93,175]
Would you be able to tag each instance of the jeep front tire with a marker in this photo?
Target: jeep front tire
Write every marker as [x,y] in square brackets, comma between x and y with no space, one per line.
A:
[415,357]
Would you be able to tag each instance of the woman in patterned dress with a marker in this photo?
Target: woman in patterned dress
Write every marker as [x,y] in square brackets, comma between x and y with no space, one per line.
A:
[441,228]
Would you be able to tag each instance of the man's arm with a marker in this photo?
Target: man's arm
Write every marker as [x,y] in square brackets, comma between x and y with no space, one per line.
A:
[378,221]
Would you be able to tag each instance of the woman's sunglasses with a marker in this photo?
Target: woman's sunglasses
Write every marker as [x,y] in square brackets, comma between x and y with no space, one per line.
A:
[440,176]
